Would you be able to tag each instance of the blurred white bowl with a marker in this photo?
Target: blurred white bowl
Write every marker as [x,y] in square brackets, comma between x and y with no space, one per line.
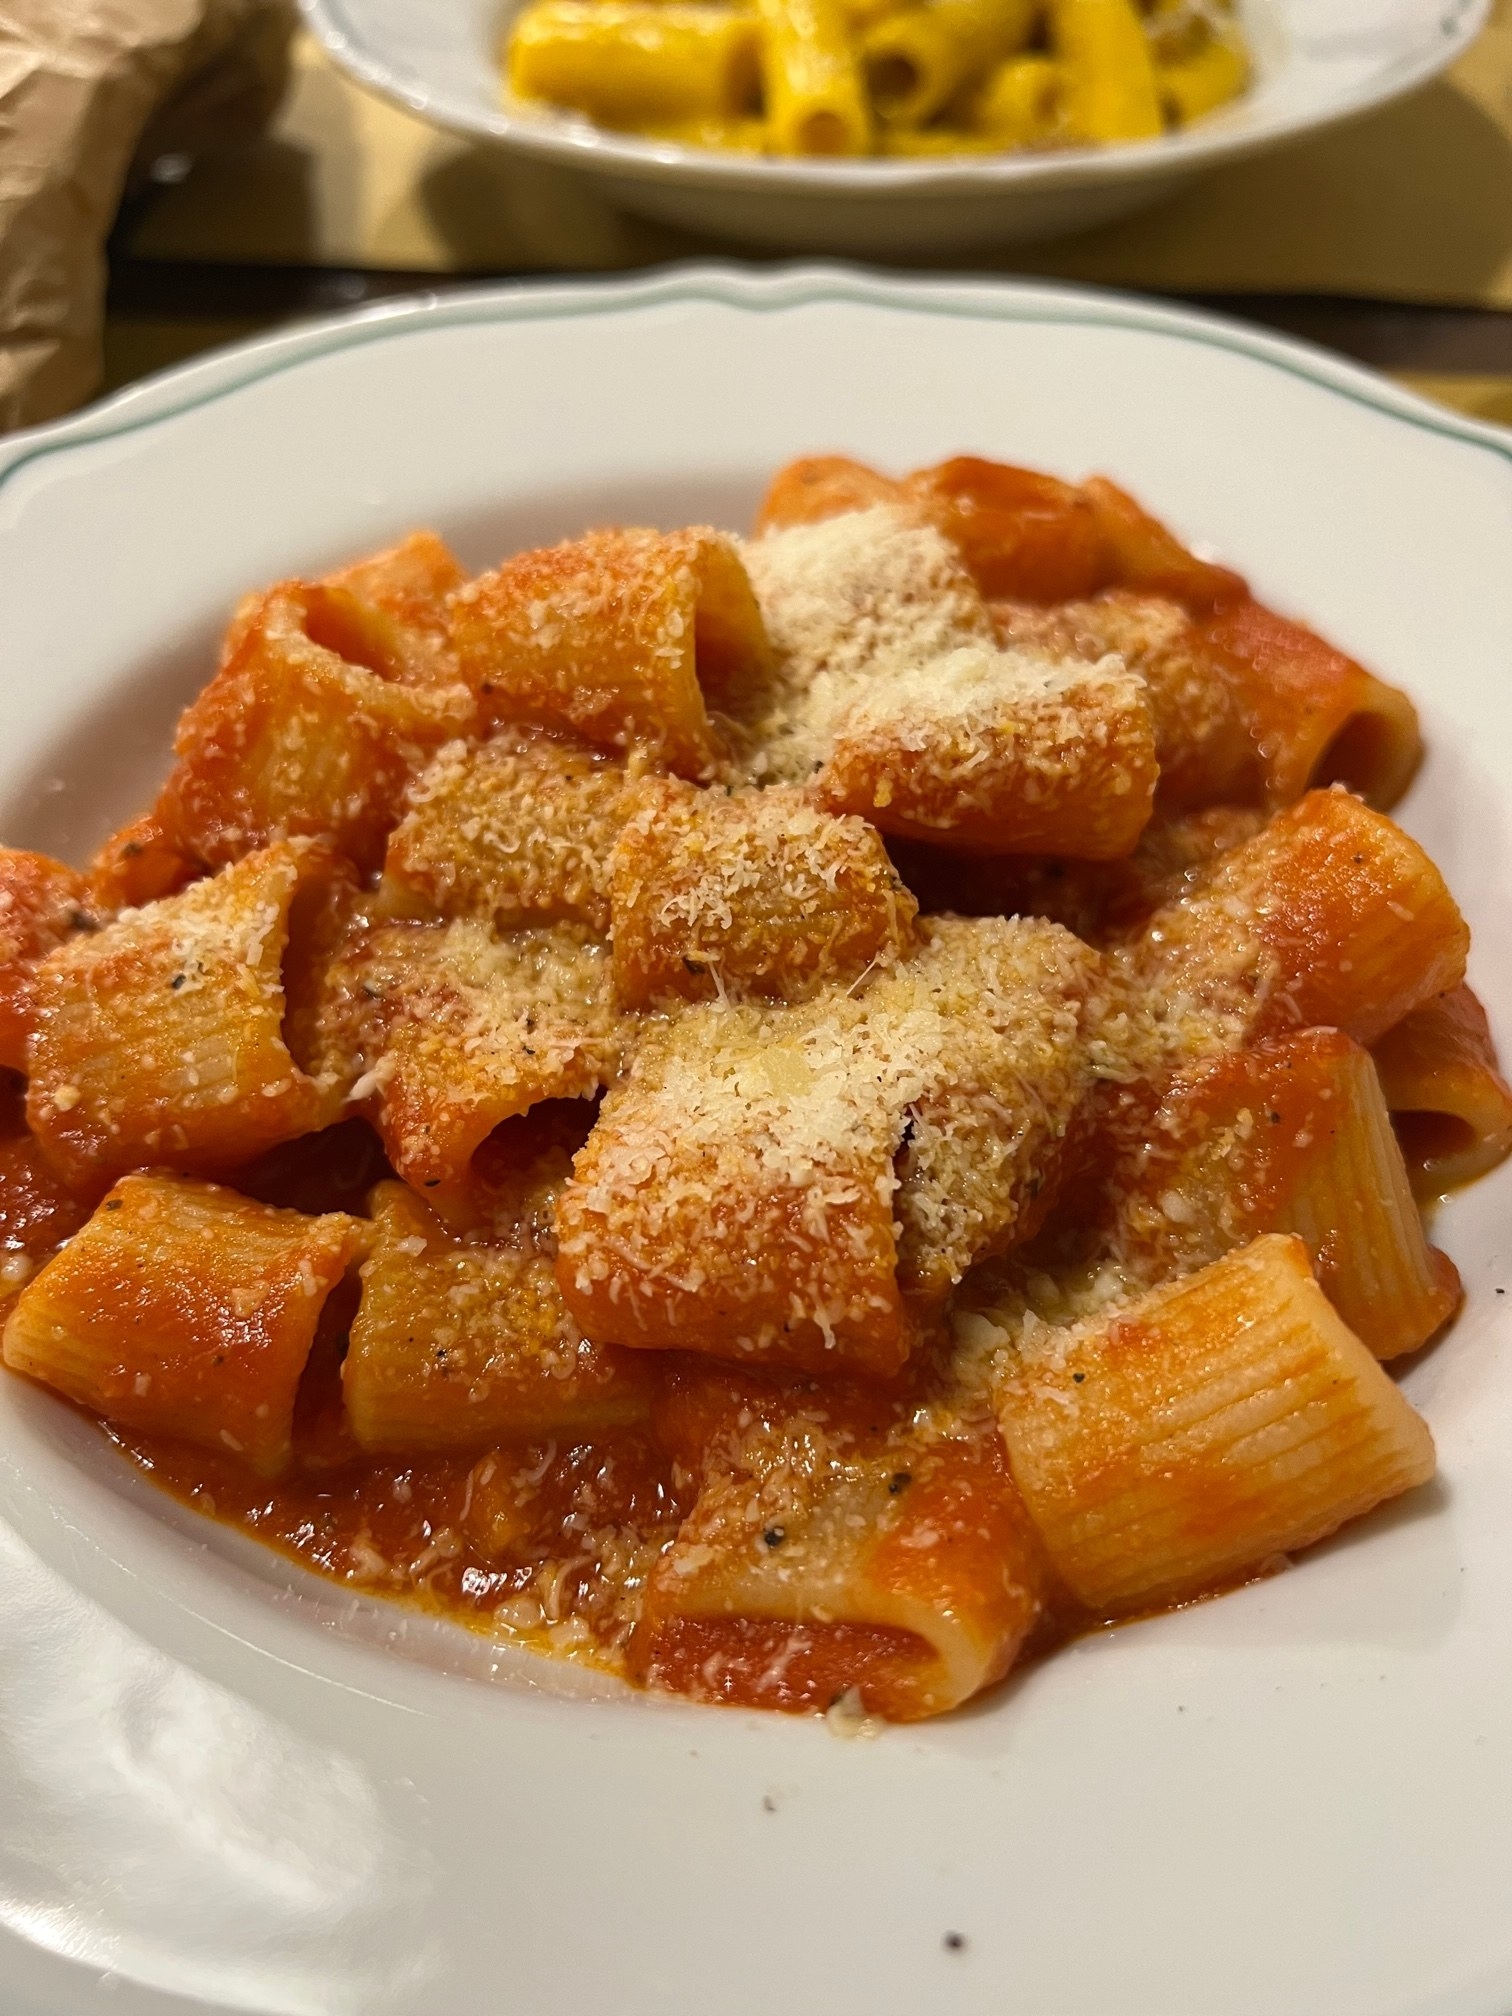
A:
[1319,62]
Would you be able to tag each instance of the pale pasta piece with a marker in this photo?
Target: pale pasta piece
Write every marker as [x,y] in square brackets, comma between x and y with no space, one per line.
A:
[160,1037]
[754,894]
[1292,1136]
[617,637]
[464,1346]
[186,1310]
[1450,1104]
[516,830]
[825,1558]
[1195,1435]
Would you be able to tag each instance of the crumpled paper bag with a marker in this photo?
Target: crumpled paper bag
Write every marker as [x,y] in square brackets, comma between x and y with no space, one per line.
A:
[90,91]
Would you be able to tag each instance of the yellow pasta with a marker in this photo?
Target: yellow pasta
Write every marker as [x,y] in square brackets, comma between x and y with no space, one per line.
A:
[920,79]
[626,63]
[861,14]
[1021,102]
[916,60]
[815,95]
[1191,89]
[933,143]
[1202,1431]
[728,136]
[1111,90]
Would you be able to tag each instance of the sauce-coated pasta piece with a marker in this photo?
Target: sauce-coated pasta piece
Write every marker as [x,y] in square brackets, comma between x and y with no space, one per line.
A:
[1195,1435]
[1451,1106]
[444,1031]
[756,894]
[187,1310]
[1317,717]
[1009,752]
[1330,917]
[618,637]
[515,830]
[1292,1136]
[42,904]
[460,1345]
[159,1038]
[313,726]
[835,1549]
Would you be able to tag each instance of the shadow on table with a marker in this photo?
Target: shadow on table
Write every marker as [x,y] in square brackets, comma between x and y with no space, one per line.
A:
[493,212]
[1422,190]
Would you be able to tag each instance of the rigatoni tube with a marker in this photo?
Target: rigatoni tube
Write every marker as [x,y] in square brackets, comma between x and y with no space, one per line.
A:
[815,97]
[627,64]
[1200,84]
[1021,103]
[1202,1431]
[916,61]
[1110,74]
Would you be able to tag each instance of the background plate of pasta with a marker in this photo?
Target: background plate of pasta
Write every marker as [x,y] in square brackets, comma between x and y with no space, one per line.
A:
[890,125]
[699,1059]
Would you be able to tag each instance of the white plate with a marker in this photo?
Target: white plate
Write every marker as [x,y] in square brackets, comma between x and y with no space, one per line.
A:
[223,1779]
[1319,61]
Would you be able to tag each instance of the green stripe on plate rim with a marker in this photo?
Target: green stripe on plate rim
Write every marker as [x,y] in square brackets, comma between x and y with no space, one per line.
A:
[269,357]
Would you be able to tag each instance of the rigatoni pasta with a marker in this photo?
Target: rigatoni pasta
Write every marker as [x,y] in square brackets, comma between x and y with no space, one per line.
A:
[832,78]
[802,1117]
[1204,1430]
[186,1310]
